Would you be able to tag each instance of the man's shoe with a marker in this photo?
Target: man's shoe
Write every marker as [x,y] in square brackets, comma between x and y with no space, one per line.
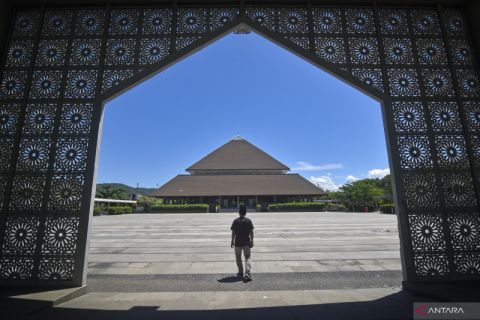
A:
[247,277]
[240,274]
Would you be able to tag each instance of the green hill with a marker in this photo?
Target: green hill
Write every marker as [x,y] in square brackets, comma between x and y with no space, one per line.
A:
[127,190]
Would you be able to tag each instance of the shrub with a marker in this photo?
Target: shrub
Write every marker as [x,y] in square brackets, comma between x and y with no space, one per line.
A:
[97,210]
[261,207]
[179,208]
[362,209]
[147,202]
[387,208]
[336,207]
[297,206]
[120,210]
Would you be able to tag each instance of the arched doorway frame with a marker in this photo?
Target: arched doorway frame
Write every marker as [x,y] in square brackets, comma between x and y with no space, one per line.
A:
[47,195]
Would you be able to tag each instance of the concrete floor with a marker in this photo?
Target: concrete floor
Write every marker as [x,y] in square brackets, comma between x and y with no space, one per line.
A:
[180,266]
[339,304]
[146,244]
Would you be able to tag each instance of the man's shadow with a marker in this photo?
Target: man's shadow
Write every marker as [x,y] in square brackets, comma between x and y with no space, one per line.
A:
[231,279]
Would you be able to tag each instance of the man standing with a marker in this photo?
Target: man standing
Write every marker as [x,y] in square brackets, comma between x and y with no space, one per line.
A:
[242,239]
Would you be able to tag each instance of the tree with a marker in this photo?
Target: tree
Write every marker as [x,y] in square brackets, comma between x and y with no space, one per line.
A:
[108,192]
[334,195]
[362,193]
[145,201]
[386,185]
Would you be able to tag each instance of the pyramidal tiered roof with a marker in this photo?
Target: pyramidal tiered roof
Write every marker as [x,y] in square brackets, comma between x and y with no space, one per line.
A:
[235,169]
[238,154]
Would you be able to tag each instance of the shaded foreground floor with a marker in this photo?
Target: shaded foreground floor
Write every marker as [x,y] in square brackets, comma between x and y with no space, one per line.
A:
[284,242]
[180,266]
[266,305]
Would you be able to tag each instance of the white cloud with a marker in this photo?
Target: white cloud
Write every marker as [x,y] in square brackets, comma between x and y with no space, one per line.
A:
[351,178]
[378,173]
[328,184]
[305,166]
[325,182]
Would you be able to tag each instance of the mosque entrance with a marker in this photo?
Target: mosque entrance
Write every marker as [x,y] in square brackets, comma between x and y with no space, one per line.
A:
[63,64]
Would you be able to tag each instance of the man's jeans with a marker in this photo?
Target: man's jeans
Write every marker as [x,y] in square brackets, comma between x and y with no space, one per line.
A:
[238,256]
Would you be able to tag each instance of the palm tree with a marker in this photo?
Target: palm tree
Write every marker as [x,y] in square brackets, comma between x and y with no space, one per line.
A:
[108,192]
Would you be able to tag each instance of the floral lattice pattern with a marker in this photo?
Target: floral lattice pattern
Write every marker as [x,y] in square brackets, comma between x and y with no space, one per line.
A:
[427,232]
[60,65]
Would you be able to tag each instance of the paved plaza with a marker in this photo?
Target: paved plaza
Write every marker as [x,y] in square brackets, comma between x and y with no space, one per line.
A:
[284,242]
[146,252]
[319,265]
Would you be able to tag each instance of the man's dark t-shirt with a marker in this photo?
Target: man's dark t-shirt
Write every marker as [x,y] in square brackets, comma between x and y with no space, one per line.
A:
[242,228]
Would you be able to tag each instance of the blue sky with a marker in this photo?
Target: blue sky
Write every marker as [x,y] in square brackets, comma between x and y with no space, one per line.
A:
[242,84]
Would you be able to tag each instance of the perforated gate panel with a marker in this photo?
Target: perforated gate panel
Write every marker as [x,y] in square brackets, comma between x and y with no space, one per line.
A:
[61,65]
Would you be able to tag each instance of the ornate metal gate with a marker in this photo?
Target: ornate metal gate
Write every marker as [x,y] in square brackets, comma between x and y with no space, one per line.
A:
[62,64]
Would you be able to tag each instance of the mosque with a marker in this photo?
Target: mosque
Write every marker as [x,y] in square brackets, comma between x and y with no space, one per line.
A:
[237,173]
